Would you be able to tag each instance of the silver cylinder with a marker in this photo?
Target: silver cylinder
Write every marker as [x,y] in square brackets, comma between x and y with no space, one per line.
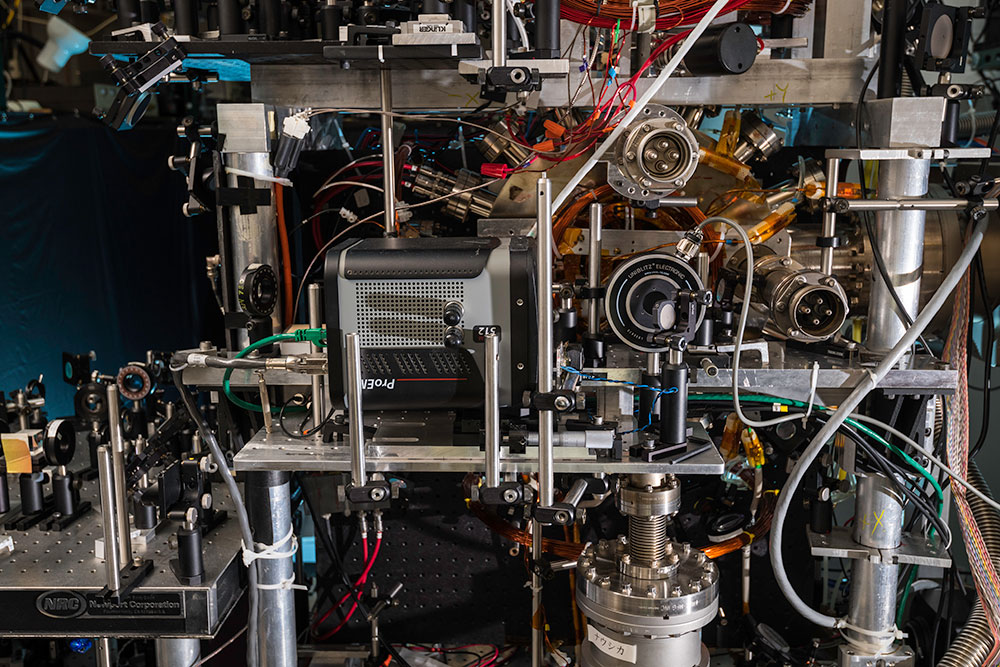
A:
[878,513]
[575,493]
[915,204]
[545,417]
[105,657]
[492,417]
[872,605]
[830,215]
[355,413]
[177,652]
[253,236]
[685,649]
[118,477]
[901,242]
[594,269]
[545,351]
[388,152]
[276,643]
[112,553]
[499,33]
[315,298]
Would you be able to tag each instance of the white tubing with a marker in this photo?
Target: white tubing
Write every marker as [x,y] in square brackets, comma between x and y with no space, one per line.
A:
[942,294]
[639,104]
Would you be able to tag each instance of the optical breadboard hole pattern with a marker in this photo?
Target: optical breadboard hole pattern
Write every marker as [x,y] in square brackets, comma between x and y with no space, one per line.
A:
[460,583]
[404,313]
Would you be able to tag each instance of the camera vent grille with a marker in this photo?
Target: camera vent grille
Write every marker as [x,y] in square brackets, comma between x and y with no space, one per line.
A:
[404,313]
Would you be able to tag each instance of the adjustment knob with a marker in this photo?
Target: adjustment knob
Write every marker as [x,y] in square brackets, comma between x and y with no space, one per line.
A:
[454,337]
[453,313]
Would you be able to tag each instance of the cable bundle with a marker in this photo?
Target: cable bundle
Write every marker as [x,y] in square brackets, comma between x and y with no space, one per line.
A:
[984,574]
[670,14]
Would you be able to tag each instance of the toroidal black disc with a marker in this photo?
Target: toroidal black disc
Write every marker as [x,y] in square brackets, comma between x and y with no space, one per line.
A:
[634,290]
[59,442]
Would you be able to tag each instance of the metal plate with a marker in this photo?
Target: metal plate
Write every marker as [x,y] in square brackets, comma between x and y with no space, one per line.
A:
[419,443]
[63,562]
[914,549]
[909,153]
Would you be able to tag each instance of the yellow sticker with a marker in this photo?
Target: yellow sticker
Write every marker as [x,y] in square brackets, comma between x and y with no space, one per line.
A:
[17,452]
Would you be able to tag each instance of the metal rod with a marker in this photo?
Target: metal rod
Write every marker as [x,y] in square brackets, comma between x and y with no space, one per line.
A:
[545,352]
[912,204]
[112,554]
[104,652]
[891,50]
[679,202]
[830,215]
[545,417]
[265,402]
[499,15]
[575,493]
[177,652]
[315,299]
[594,269]
[388,154]
[492,410]
[355,413]
[118,477]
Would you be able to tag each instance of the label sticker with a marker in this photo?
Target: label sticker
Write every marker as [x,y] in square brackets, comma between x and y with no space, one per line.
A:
[612,647]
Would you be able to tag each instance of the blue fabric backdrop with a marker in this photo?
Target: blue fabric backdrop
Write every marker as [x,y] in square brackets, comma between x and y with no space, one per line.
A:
[94,252]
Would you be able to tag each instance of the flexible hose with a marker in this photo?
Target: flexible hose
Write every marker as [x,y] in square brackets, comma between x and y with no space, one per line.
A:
[975,641]
[843,412]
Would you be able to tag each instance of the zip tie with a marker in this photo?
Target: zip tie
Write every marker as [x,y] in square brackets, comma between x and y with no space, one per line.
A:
[285,585]
[788,3]
[270,551]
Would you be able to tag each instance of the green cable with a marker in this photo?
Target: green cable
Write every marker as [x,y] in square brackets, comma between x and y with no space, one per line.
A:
[762,398]
[906,596]
[316,336]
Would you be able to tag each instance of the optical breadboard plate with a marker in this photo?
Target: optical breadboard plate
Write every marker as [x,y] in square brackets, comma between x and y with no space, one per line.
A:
[50,584]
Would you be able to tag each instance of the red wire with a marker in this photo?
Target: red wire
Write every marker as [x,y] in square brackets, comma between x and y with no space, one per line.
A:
[351,591]
[354,607]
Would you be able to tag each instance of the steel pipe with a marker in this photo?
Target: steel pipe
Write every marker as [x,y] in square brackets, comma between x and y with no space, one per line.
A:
[492,409]
[499,33]
[830,215]
[912,204]
[546,418]
[355,413]
[900,236]
[388,154]
[594,269]
[315,297]
[177,651]
[112,554]
[105,654]
[118,475]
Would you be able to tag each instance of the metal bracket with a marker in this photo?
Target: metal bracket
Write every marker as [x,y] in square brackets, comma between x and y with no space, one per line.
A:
[913,549]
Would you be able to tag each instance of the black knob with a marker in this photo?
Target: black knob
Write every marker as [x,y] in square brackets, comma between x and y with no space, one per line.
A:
[453,313]
[454,337]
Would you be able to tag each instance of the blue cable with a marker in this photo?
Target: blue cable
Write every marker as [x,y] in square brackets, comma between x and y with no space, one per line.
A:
[635,385]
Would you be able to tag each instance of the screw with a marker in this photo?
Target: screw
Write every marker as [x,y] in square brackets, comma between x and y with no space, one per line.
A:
[510,496]
[646,127]
[630,155]
[591,573]
[651,591]
[520,366]
[676,591]
[674,559]
[626,589]
[626,559]
[585,563]
[605,582]
[377,494]
[562,403]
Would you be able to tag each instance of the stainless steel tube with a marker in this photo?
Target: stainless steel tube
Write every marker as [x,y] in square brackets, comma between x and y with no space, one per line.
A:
[901,242]
[253,236]
[492,417]
[545,417]
[104,652]
[177,652]
[594,269]
[545,352]
[830,215]
[388,152]
[575,493]
[315,298]
[914,204]
[118,478]
[499,34]
[355,413]
[270,513]
[878,512]
[112,554]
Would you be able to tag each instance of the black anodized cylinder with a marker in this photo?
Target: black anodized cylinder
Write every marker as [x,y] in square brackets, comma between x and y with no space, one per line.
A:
[726,49]
[547,28]
[185,17]
[65,494]
[32,492]
[673,405]
[190,559]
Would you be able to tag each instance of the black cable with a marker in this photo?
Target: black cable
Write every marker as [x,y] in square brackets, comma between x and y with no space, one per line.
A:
[331,549]
[872,241]
[987,351]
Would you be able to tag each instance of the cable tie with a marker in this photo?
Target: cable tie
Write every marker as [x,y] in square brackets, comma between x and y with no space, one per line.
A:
[271,551]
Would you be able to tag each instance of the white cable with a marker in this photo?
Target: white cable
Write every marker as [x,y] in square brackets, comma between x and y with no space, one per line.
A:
[933,459]
[740,329]
[260,177]
[640,104]
[870,381]
[353,184]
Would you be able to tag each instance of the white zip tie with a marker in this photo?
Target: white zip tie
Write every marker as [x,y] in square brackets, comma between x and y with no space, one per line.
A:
[260,177]
[788,3]
[270,551]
